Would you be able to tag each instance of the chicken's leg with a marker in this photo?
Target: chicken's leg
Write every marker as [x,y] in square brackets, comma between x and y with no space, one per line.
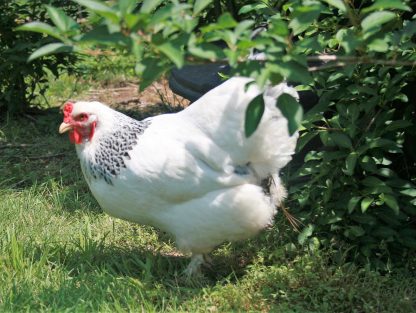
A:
[195,265]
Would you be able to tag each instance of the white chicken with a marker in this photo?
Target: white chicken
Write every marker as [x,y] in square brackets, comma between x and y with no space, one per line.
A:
[193,174]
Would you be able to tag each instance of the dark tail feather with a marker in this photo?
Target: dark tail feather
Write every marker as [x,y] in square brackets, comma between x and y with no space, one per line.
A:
[273,187]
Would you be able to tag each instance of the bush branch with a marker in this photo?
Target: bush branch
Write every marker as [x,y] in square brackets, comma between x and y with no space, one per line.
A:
[333,61]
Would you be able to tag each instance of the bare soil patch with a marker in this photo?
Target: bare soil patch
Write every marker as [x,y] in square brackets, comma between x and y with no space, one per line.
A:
[126,96]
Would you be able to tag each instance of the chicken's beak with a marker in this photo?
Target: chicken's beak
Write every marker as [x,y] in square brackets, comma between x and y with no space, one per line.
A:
[64,127]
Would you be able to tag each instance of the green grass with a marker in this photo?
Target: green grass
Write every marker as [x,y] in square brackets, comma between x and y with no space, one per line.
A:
[60,253]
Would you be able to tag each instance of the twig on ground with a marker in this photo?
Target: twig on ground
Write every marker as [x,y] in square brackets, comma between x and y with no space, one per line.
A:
[38,157]
[109,89]
[29,117]
[15,145]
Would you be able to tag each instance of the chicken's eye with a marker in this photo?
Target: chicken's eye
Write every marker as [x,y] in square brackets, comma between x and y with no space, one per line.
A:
[82,117]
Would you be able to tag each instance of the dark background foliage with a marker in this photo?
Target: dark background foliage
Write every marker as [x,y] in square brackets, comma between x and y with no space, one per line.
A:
[22,81]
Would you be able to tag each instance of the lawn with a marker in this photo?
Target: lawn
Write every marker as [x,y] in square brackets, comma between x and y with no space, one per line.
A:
[60,253]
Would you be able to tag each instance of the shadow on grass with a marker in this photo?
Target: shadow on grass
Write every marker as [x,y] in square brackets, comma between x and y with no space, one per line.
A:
[33,152]
[148,265]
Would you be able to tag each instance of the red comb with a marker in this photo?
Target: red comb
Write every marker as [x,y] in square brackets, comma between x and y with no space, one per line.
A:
[69,106]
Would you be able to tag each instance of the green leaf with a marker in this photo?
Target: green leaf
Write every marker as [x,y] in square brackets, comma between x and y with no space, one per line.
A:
[385,144]
[364,219]
[376,19]
[132,20]
[350,163]
[278,27]
[292,110]
[293,71]
[365,203]
[232,56]
[243,26]
[40,27]
[149,5]
[199,5]
[372,181]
[339,4]
[409,192]
[387,4]
[386,172]
[304,16]
[352,203]
[95,6]
[126,6]
[254,114]
[304,139]
[348,39]
[101,9]
[409,242]
[354,231]
[60,19]
[341,140]
[305,234]
[226,20]
[160,16]
[101,35]
[207,51]
[149,70]
[384,232]
[137,48]
[379,45]
[391,202]
[398,124]
[252,7]
[51,48]
[173,52]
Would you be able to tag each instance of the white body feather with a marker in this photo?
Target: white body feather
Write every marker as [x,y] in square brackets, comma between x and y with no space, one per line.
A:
[181,176]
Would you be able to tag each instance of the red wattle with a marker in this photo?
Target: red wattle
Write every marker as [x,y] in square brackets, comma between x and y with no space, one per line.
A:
[75,137]
[71,136]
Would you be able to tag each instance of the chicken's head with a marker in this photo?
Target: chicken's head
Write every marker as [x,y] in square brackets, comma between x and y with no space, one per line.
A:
[79,122]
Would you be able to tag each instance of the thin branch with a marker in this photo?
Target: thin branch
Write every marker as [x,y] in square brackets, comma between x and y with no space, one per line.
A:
[352,16]
[367,128]
[331,61]
[326,66]
[327,128]
[340,61]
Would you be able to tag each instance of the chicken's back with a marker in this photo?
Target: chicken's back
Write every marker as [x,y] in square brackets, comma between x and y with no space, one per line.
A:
[220,115]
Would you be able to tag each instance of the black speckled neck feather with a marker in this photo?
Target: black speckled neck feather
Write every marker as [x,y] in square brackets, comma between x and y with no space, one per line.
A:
[113,150]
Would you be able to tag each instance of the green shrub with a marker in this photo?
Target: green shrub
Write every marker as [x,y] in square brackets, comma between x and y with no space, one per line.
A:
[21,81]
[358,189]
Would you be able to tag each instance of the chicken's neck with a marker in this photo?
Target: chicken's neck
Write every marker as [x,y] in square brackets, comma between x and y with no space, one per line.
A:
[105,157]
